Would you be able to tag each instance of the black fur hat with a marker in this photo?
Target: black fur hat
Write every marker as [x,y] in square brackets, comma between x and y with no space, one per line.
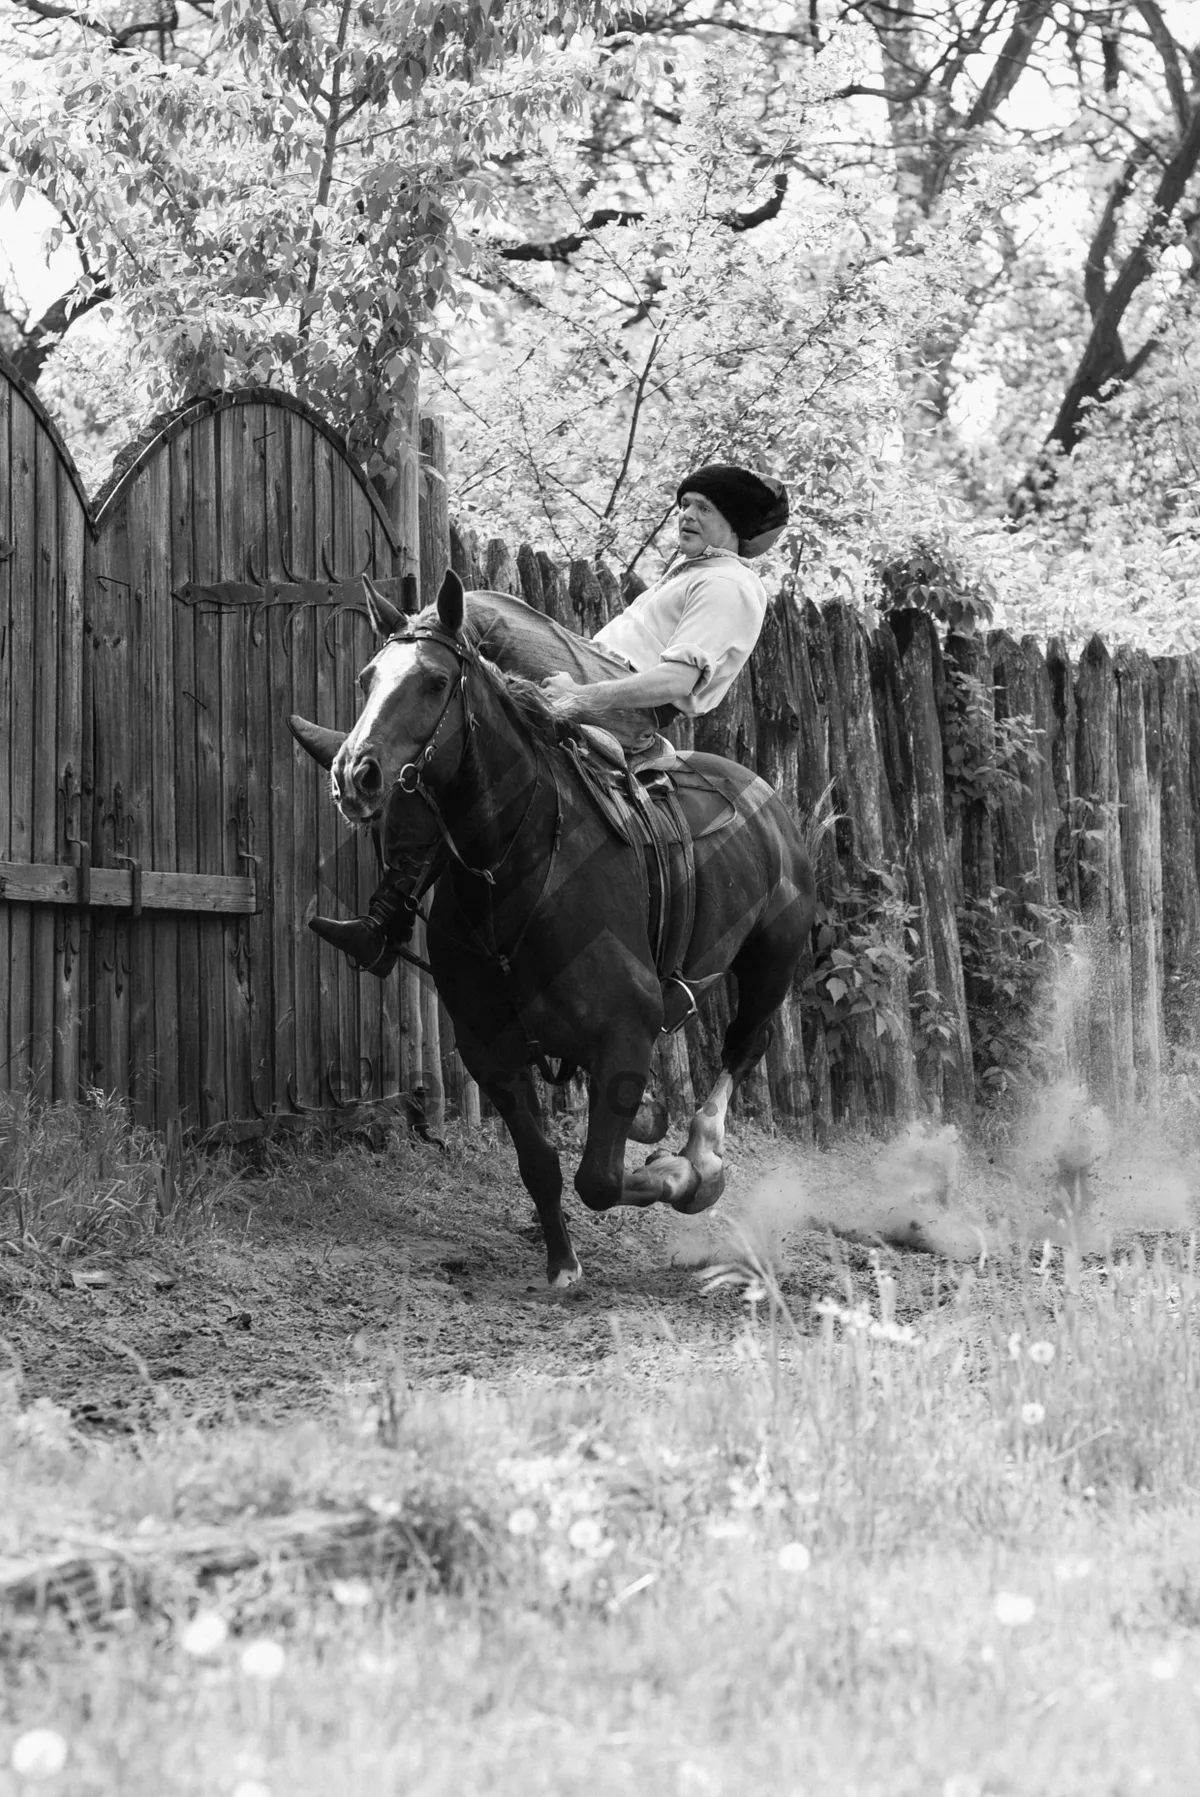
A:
[755,505]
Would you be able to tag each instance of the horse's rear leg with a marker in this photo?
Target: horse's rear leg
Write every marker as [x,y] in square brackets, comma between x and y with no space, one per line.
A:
[515,1097]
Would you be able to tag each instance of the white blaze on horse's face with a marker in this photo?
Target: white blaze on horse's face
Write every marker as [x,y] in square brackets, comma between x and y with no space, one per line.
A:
[405,688]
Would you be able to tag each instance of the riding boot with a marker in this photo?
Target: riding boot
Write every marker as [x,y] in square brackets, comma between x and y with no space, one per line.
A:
[373,943]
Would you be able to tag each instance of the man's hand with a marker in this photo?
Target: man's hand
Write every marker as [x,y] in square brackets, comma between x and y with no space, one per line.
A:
[566,697]
[589,703]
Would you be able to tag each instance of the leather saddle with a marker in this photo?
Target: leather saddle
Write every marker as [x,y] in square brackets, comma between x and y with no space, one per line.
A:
[654,801]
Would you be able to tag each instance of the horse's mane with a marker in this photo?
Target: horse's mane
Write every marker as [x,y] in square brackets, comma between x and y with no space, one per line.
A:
[529,705]
[522,698]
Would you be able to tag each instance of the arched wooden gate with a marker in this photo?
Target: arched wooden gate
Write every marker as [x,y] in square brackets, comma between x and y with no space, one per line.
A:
[162,842]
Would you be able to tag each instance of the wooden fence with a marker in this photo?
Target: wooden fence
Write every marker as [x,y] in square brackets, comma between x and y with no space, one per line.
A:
[163,843]
[981,796]
[160,845]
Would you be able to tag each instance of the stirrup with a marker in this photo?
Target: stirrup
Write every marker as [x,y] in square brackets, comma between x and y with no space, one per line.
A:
[676,994]
[361,939]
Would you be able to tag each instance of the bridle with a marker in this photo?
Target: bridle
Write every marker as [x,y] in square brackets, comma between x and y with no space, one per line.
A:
[410,780]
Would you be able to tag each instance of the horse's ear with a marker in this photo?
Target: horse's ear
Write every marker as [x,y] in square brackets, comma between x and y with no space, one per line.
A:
[321,744]
[451,603]
[383,614]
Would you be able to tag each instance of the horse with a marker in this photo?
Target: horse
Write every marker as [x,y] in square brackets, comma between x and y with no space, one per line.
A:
[539,928]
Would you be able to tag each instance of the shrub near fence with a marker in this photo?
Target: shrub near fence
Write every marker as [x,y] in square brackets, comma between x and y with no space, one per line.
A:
[986,798]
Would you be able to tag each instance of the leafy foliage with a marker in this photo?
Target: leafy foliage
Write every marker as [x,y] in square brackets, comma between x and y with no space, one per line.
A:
[295,206]
[1005,942]
[862,937]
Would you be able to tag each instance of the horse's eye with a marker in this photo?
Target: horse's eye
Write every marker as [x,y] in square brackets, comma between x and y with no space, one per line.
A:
[437,683]
[366,679]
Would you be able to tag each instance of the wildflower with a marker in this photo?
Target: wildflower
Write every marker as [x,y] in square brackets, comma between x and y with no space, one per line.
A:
[1014,1345]
[251,1787]
[1014,1609]
[1165,1665]
[38,1753]
[903,1334]
[722,1528]
[352,1594]
[1072,1566]
[523,1521]
[204,1635]
[1041,1353]
[1033,1414]
[794,1557]
[263,1659]
[755,1292]
[586,1535]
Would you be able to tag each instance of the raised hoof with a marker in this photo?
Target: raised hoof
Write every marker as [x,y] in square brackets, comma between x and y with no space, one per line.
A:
[665,1179]
[708,1190]
[361,940]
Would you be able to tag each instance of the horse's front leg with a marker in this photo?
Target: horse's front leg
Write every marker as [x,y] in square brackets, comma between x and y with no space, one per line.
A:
[515,1097]
[616,1086]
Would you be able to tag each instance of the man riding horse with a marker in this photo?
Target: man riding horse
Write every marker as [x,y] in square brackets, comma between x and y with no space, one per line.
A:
[676,650]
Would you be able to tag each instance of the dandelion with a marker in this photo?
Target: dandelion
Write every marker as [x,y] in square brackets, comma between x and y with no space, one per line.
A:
[586,1535]
[1033,1414]
[263,1659]
[204,1635]
[38,1753]
[1041,1353]
[523,1521]
[903,1334]
[1071,1567]
[1014,1345]
[721,1528]
[352,1594]
[1014,1609]
[1164,1666]
[794,1557]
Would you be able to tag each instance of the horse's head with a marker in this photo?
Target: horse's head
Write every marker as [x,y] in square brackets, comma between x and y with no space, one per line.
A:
[408,689]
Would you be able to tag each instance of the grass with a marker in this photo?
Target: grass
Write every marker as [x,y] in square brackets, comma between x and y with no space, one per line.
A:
[862,1549]
[626,1607]
[84,1178]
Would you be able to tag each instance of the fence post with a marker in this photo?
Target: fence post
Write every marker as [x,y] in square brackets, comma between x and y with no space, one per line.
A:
[918,792]
[1102,894]
[1140,809]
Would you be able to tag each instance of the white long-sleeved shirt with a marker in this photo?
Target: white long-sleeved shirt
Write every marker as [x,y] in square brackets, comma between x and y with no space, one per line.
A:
[706,612]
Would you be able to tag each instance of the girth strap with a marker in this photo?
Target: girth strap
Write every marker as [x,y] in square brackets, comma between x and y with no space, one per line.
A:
[673,891]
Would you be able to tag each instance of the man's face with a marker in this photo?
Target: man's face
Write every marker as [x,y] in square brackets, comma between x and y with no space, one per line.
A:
[702,526]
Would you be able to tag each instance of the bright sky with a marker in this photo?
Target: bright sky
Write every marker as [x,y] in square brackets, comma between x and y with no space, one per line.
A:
[21,237]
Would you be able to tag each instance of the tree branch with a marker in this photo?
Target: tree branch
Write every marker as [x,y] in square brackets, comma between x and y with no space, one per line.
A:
[561,249]
[1009,64]
[1164,43]
[38,341]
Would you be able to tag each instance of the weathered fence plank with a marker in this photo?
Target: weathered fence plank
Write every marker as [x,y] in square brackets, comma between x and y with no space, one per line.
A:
[936,983]
[1178,848]
[1139,824]
[1102,894]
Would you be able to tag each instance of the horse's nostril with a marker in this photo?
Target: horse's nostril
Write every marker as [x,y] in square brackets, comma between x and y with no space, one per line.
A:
[368,775]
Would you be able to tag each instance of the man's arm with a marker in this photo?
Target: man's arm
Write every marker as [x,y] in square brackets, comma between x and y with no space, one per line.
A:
[663,685]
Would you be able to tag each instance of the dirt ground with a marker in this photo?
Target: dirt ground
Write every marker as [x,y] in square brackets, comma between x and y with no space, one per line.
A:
[322,1275]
